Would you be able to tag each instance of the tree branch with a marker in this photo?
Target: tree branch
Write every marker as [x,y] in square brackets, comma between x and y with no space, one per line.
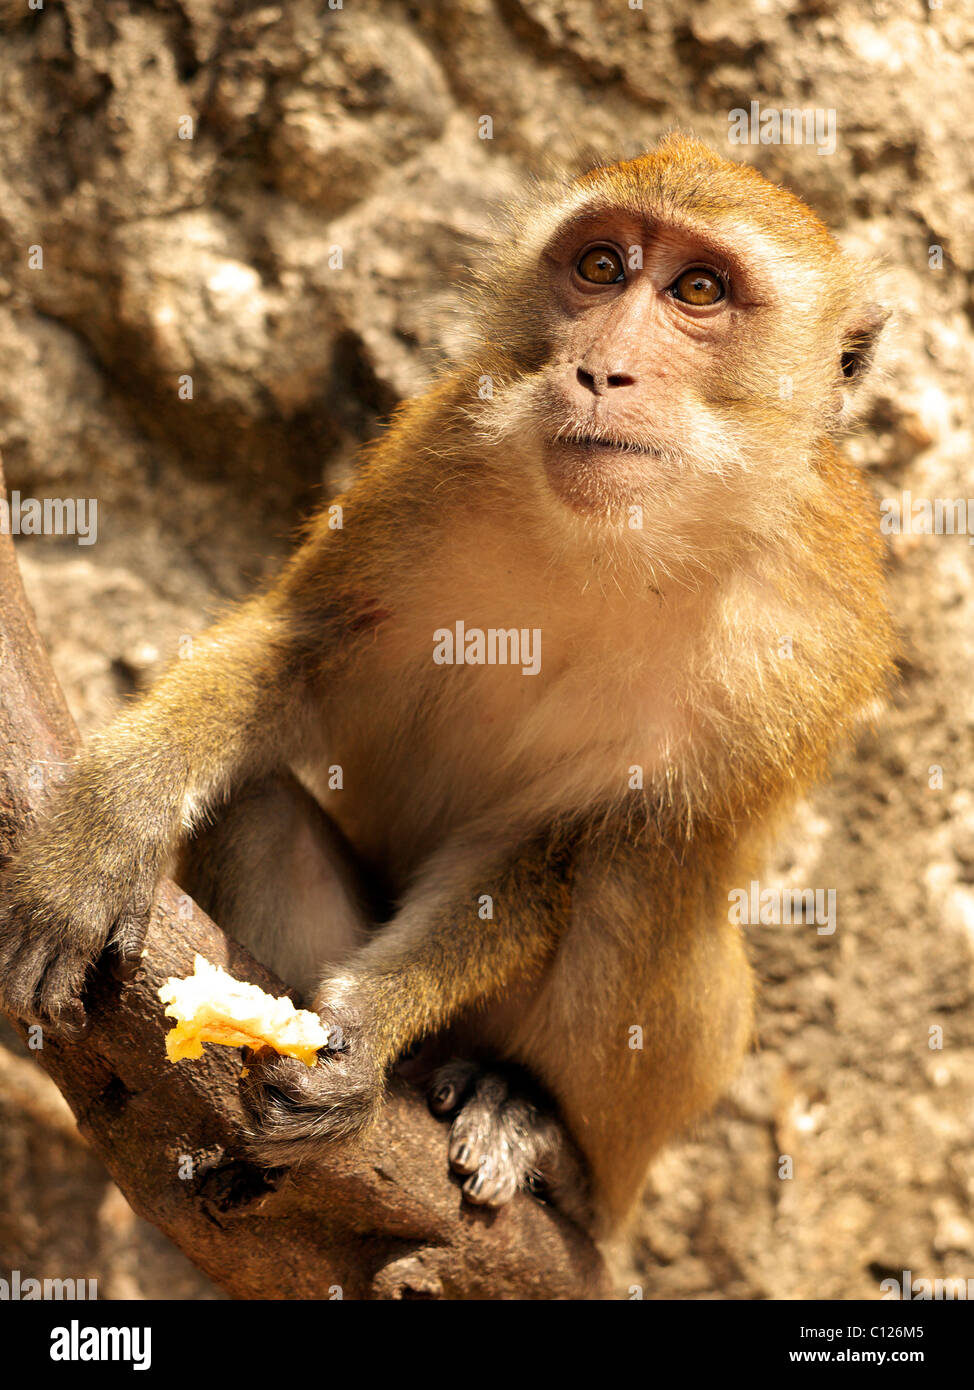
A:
[380,1218]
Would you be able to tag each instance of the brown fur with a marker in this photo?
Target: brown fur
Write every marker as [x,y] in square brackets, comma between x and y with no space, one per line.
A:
[660,650]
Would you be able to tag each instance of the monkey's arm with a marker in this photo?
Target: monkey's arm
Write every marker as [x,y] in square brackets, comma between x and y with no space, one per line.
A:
[474,922]
[86,874]
[478,920]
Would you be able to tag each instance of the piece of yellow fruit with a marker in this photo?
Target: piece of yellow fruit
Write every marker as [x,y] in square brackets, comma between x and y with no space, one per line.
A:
[211,1006]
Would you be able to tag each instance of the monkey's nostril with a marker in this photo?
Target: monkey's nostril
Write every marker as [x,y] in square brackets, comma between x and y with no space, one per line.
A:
[597,382]
[587,380]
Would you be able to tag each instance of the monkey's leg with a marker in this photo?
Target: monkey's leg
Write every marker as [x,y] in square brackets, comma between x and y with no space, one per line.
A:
[647,1010]
[274,871]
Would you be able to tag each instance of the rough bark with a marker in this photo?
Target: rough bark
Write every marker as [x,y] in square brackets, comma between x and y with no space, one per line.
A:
[380,1219]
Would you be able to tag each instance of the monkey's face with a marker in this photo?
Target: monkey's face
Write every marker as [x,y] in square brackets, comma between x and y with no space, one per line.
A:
[636,392]
[682,334]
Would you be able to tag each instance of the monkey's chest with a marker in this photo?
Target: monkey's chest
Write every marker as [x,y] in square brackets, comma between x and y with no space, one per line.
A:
[444,744]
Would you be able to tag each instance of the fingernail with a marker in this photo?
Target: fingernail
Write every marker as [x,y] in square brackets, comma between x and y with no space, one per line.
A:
[73,1024]
[124,968]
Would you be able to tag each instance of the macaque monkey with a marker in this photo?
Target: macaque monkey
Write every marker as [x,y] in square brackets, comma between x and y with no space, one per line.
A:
[479,771]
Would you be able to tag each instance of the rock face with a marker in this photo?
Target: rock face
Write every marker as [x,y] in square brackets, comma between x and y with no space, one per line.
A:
[233,236]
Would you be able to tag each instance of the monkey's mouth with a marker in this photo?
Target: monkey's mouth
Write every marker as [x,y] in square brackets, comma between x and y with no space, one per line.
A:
[595,445]
[595,472]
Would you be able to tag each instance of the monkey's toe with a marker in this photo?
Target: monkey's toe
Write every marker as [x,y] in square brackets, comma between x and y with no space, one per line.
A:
[451,1083]
[495,1183]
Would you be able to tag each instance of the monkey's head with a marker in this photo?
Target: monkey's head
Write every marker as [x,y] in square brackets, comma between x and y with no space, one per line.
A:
[672,340]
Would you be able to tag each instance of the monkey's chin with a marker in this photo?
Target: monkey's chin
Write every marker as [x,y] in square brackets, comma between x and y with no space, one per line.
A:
[597,477]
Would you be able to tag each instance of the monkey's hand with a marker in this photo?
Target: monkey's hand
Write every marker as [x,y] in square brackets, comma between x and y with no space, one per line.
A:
[81,880]
[294,1111]
[505,1138]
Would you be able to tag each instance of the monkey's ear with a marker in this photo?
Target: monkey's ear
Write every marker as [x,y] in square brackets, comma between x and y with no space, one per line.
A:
[859,343]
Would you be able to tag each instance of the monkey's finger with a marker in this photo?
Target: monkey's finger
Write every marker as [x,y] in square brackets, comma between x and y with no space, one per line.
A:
[126,953]
[60,994]
[128,936]
[10,939]
[274,1088]
[23,973]
[72,1023]
[285,1074]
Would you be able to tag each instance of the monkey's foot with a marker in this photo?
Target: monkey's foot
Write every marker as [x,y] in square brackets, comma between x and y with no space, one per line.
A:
[294,1110]
[505,1138]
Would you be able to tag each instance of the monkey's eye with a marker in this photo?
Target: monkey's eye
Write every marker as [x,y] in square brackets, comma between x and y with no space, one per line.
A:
[601,266]
[698,286]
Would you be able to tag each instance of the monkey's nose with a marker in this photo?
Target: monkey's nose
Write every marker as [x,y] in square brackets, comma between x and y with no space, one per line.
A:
[598,382]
